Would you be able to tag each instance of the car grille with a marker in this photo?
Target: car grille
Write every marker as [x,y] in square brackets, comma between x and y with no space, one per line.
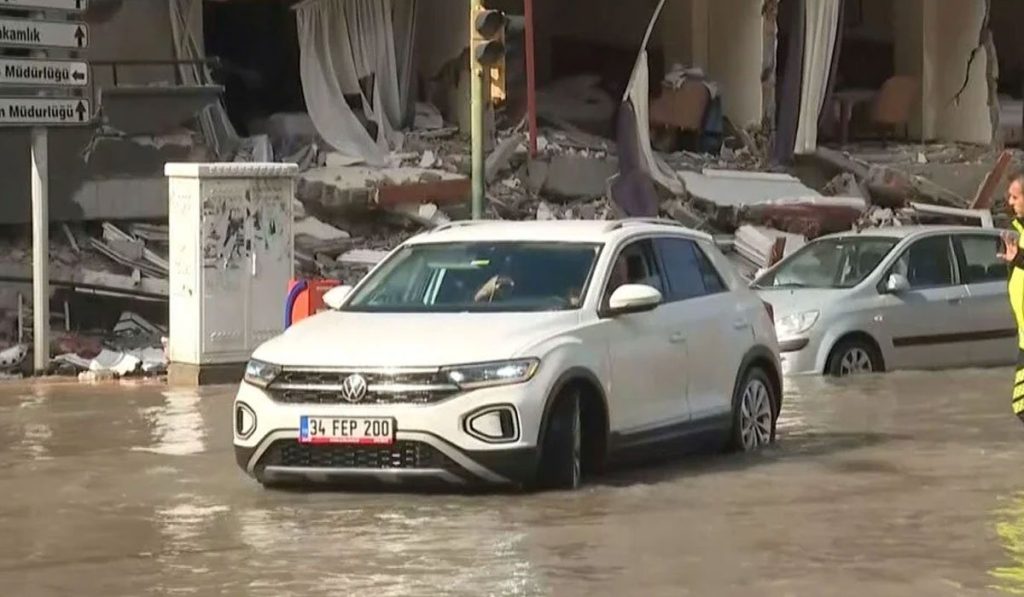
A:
[400,455]
[324,387]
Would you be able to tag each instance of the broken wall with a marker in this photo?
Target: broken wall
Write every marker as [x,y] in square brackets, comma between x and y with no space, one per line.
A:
[950,33]
[124,179]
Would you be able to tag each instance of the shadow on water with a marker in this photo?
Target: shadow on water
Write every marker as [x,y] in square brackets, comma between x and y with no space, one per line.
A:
[668,466]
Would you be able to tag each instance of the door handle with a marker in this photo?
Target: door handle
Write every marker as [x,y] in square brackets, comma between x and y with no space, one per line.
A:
[740,324]
[955,301]
[677,338]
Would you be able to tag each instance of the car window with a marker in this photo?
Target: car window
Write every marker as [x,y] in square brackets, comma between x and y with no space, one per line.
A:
[635,264]
[687,269]
[978,260]
[841,262]
[927,263]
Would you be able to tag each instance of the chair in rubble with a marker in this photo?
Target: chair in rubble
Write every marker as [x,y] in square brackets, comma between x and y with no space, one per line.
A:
[893,107]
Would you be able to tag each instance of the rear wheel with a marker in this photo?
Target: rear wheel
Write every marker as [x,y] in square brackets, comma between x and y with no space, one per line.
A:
[561,465]
[754,416]
[854,357]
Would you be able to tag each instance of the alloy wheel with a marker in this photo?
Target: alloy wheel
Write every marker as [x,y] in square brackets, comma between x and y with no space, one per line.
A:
[755,416]
[855,361]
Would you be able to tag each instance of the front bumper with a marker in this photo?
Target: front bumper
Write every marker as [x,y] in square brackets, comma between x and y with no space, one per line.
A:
[432,444]
[799,356]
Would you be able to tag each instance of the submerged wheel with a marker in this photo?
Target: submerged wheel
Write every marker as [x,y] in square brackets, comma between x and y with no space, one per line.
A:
[561,465]
[754,414]
[854,357]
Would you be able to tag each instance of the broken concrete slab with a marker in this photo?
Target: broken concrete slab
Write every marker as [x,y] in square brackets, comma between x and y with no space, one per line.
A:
[501,158]
[354,190]
[575,177]
[735,188]
[366,257]
[152,109]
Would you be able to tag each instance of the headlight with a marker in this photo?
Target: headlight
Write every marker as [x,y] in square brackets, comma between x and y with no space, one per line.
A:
[261,374]
[483,375]
[796,324]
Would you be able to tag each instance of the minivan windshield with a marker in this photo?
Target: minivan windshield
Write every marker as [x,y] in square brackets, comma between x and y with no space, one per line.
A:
[479,276]
[840,262]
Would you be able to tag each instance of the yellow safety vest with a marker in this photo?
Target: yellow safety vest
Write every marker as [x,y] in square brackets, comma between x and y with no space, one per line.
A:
[1017,288]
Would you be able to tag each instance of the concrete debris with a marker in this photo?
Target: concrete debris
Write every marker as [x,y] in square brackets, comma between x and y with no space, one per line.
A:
[501,158]
[757,243]
[363,257]
[13,357]
[428,117]
[428,159]
[572,177]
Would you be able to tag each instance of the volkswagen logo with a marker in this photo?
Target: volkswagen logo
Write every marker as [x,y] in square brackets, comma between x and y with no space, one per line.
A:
[353,389]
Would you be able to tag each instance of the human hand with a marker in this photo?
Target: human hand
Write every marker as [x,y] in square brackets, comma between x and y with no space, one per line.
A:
[1010,248]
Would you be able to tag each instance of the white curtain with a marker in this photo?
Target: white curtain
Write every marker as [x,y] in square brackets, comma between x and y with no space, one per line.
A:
[342,42]
[638,93]
[821,22]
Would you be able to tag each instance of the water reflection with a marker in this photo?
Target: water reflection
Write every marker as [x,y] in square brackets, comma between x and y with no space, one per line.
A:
[429,550]
[1010,529]
[177,426]
[36,434]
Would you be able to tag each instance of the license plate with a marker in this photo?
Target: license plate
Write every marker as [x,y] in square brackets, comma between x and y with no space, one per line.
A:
[346,430]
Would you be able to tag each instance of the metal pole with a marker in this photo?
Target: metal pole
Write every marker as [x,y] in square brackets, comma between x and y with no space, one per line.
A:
[531,78]
[476,75]
[40,251]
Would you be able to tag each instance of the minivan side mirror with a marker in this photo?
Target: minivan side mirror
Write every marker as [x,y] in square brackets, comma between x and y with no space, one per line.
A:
[335,297]
[896,284]
[633,298]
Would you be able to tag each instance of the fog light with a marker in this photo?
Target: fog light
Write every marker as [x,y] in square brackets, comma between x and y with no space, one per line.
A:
[245,420]
[494,424]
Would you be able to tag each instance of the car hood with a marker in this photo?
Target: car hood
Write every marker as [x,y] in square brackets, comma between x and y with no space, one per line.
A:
[349,339]
[787,301]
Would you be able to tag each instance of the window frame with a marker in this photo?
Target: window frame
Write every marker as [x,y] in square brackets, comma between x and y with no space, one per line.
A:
[890,270]
[651,253]
[961,256]
[701,259]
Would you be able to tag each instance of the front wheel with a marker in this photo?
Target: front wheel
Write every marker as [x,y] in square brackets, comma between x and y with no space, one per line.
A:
[561,465]
[754,414]
[854,357]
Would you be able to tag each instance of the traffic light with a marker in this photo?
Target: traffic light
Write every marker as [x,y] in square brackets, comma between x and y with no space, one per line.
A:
[489,49]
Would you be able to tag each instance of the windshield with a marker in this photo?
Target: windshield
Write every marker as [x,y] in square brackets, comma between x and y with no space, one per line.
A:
[829,263]
[480,276]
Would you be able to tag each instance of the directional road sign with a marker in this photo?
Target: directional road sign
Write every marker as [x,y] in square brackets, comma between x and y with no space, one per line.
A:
[43,73]
[43,111]
[73,5]
[43,34]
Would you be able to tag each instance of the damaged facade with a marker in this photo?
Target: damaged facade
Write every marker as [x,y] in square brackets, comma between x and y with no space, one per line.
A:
[756,120]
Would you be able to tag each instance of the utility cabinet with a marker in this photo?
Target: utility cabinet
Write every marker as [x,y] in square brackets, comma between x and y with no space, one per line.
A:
[231,258]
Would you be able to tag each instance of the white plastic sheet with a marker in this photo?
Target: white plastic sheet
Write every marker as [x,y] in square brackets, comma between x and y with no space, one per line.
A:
[342,44]
[822,27]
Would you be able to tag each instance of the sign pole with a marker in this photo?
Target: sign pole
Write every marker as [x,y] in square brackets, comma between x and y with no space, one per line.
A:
[40,250]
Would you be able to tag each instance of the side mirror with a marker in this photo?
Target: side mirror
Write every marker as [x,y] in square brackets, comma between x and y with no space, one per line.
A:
[896,284]
[335,297]
[633,298]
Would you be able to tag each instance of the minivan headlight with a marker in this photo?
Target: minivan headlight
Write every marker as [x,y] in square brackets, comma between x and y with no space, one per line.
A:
[483,375]
[796,324]
[261,374]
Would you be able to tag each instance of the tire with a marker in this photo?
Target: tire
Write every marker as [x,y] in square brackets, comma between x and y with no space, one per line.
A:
[854,357]
[754,412]
[561,465]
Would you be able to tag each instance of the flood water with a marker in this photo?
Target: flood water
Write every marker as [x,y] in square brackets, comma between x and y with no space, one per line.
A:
[903,484]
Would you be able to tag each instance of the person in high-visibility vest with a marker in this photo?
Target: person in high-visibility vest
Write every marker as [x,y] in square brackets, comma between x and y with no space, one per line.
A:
[1012,254]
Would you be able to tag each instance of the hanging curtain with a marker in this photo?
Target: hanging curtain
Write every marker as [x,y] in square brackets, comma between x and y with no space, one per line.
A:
[348,47]
[821,22]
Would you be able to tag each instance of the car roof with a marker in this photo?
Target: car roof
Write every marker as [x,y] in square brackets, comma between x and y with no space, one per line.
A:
[901,232]
[579,231]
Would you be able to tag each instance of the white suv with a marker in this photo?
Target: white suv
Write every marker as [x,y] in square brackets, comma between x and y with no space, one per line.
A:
[514,353]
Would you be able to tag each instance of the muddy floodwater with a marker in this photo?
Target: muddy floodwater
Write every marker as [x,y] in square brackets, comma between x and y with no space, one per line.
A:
[903,484]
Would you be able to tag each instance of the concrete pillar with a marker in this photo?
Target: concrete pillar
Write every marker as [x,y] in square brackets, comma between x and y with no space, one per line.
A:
[231,259]
[736,57]
[950,34]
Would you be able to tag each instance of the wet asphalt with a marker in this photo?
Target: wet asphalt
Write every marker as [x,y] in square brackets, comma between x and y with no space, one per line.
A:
[899,484]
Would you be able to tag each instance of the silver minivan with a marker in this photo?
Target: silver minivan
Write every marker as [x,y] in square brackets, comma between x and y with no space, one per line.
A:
[907,297]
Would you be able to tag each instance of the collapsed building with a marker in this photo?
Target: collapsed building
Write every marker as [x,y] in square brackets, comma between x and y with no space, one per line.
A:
[765,122]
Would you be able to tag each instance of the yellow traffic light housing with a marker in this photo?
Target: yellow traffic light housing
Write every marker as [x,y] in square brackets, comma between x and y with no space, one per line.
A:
[489,49]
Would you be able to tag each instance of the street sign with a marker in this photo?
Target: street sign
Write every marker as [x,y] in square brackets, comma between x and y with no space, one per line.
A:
[43,73]
[43,34]
[44,111]
[73,5]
